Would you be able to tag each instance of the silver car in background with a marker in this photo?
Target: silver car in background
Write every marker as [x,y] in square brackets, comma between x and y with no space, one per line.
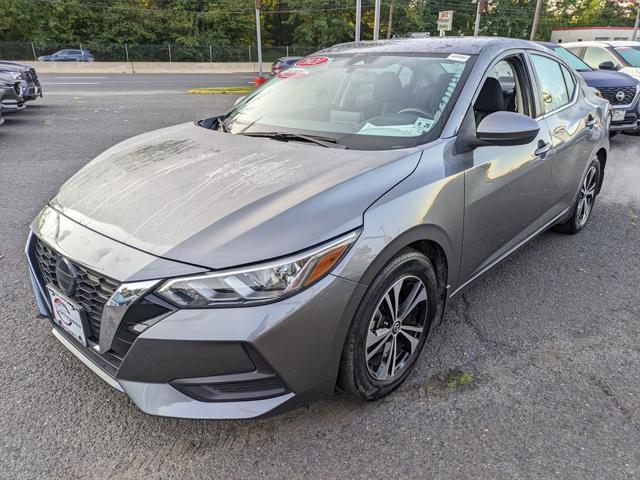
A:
[249,263]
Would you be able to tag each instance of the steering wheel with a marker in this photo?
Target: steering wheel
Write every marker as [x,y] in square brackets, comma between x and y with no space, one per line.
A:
[415,110]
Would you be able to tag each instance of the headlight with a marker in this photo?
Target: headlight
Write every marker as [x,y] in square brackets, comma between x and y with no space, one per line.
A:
[15,75]
[597,92]
[260,283]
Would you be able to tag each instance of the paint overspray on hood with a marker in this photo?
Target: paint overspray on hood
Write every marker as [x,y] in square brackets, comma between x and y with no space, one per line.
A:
[219,200]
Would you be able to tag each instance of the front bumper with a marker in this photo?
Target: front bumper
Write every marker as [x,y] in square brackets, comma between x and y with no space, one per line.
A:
[11,105]
[224,363]
[631,122]
[32,92]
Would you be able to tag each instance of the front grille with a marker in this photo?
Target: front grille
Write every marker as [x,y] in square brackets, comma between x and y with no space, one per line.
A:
[34,76]
[92,291]
[610,93]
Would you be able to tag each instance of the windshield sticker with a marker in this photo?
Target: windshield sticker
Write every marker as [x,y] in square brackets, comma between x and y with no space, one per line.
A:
[312,61]
[293,73]
[458,57]
[419,127]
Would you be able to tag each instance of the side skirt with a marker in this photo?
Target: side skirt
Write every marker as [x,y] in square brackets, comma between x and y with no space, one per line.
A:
[542,229]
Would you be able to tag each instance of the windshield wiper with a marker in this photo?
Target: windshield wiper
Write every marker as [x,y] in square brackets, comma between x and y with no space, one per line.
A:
[327,142]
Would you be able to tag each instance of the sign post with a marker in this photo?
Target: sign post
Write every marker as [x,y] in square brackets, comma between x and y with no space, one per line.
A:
[258,5]
[445,21]
[358,18]
[376,20]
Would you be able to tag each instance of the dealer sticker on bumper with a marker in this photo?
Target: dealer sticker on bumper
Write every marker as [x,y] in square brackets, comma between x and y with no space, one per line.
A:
[67,315]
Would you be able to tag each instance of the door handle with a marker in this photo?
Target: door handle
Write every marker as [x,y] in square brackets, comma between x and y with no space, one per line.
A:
[543,148]
[591,121]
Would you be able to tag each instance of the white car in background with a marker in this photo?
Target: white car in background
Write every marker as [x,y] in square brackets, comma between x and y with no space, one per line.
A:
[622,56]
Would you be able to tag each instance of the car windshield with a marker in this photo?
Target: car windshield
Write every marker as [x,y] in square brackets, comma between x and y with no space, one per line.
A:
[573,61]
[630,54]
[364,101]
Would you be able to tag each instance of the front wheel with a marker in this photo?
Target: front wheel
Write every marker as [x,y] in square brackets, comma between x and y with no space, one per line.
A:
[585,201]
[390,327]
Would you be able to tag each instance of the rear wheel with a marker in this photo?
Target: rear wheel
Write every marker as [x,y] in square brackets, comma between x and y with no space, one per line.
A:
[585,201]
[390,327]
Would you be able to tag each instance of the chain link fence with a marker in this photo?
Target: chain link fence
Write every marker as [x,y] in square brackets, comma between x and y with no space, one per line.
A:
[155,53]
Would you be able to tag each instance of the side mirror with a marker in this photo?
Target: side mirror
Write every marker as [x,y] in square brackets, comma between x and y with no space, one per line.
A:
[608,65]
[507,128]
[238,100]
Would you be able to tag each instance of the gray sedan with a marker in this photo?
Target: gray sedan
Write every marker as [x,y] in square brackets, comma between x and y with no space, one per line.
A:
[311,237]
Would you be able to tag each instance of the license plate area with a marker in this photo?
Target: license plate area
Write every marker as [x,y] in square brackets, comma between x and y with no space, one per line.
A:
[618,115]
[68,315]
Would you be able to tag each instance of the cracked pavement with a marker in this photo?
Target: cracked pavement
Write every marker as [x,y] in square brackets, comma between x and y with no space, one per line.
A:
[533,373]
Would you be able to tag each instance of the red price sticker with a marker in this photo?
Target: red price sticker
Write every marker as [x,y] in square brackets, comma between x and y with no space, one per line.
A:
[312,61]
[293,73]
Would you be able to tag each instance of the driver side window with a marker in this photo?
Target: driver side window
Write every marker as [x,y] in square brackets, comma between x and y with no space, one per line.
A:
[504,89]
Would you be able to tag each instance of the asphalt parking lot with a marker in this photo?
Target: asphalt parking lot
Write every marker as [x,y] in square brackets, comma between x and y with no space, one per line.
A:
[534,372]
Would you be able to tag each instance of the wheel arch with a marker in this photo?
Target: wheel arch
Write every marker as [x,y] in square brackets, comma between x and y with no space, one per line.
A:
[430,240]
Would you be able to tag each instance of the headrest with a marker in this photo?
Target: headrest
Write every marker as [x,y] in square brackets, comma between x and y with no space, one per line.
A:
[388,88]
[430,96]
[491,98]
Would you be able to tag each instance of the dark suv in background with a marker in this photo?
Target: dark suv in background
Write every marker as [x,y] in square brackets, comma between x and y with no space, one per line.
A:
[621,90]
[282,64]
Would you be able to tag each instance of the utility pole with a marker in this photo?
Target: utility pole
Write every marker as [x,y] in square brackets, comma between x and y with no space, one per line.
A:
[479,9]
[376,21]
[259,39]
[390,26]
[358,19]
[634,35]
[536,20]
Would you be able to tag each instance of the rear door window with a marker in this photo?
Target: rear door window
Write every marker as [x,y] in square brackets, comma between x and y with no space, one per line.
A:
[551,83]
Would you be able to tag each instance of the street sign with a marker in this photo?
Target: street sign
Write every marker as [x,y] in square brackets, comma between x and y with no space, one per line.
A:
[445,20]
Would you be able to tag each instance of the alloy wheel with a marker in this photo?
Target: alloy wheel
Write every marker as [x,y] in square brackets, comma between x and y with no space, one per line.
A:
[587,195]
[396,327]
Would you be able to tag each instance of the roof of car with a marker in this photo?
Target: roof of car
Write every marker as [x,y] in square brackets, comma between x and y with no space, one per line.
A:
[623,43]
[460,45]
[549,44]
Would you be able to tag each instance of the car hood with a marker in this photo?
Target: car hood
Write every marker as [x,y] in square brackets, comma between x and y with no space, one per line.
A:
[602,78]
[212,199]
[14,65]
[11,68]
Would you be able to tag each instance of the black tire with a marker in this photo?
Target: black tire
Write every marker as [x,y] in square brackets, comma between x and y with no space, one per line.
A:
[408,268]
[578,221]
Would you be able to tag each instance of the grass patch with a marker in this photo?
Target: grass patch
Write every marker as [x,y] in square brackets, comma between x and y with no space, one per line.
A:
[459,379]
[221,90]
